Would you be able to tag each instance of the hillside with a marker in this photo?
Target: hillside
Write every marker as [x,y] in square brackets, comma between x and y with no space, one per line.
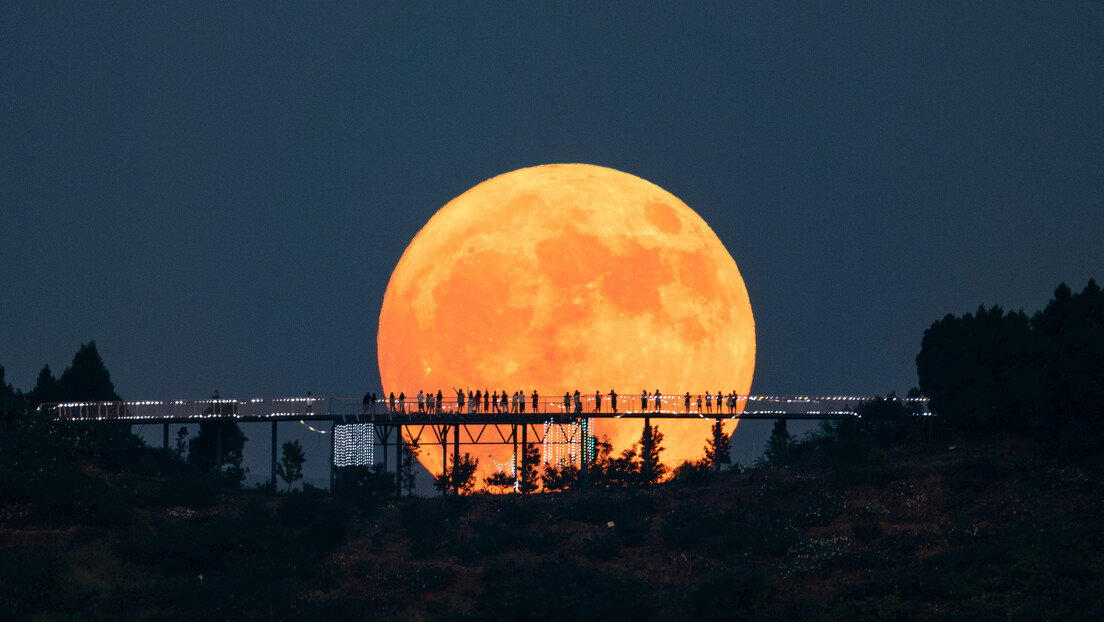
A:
[912,531]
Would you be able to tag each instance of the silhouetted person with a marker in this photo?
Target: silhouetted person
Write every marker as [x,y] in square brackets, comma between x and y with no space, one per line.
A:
[421,402]
[535,398]
[578,403]
[310,403]
[643,401]
[699,404]
[687,407]
[486,401]
[613,401]
[402,402]
[495,402]
[709,402]
[597,402]
[459,400]
[364,403]
[657,401]
[432,404]
[440,400]
[478,399]
[505,406]
[391,402]
[521,402]
[567,402]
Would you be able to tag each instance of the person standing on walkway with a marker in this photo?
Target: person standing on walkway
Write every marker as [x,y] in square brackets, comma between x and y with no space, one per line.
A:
[613,401]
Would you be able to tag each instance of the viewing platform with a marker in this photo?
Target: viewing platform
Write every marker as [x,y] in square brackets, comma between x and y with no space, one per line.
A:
[354,410]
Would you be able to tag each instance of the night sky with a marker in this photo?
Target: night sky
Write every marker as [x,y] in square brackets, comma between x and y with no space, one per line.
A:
[216,193]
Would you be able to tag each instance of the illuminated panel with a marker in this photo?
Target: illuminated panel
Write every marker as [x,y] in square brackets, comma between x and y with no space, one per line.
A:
[354,445]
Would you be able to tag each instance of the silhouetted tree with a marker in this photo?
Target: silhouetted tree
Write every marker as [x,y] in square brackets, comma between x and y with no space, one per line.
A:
[557,478]
[407,471]
[203,447]
[692,471]
[45,388]
[624,470]
[12,404]
[365,485]
[777,451]
[499,479]
[182,443]
[459,476]
[290,467]
[989,372]
[530,460]
[651,443]
[717,448]
[973,368]
[86,379]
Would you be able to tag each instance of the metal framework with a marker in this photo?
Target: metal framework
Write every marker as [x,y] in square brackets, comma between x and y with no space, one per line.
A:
[468,422]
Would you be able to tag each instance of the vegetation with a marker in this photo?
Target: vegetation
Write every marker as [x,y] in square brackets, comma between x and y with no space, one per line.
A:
[888,516]
[290,466]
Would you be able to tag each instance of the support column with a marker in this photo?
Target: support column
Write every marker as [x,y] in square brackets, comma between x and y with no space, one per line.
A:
[274,455]
[165,441]
[444,456]
[646,463]
[398,461]
[524,453]
[584,443]
[514,438]
[333,471]
[455,457]
[716,443]
[385,438]
[218,448]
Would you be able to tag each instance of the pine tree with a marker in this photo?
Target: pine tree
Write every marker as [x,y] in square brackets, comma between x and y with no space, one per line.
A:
[86,379]
[44,388]
[530,459]
[777,451]
[651,442]
[717,448]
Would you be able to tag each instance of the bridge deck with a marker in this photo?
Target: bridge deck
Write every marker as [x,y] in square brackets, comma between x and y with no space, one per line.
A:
[347,410]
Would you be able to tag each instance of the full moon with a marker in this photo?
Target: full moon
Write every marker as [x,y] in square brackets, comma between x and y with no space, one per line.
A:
[568,277]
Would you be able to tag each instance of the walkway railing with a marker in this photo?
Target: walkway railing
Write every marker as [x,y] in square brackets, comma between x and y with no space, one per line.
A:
[343,409]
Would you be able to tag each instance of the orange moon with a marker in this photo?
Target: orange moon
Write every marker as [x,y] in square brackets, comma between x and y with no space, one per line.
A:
[569,277]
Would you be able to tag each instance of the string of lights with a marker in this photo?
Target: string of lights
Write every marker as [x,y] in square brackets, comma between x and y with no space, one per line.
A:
[354,445]
[305,408]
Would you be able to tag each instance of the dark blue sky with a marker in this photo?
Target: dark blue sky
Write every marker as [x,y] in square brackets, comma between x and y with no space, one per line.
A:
[216,193]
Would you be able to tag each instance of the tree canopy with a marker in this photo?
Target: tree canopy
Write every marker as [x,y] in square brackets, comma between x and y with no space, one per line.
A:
[991,371]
